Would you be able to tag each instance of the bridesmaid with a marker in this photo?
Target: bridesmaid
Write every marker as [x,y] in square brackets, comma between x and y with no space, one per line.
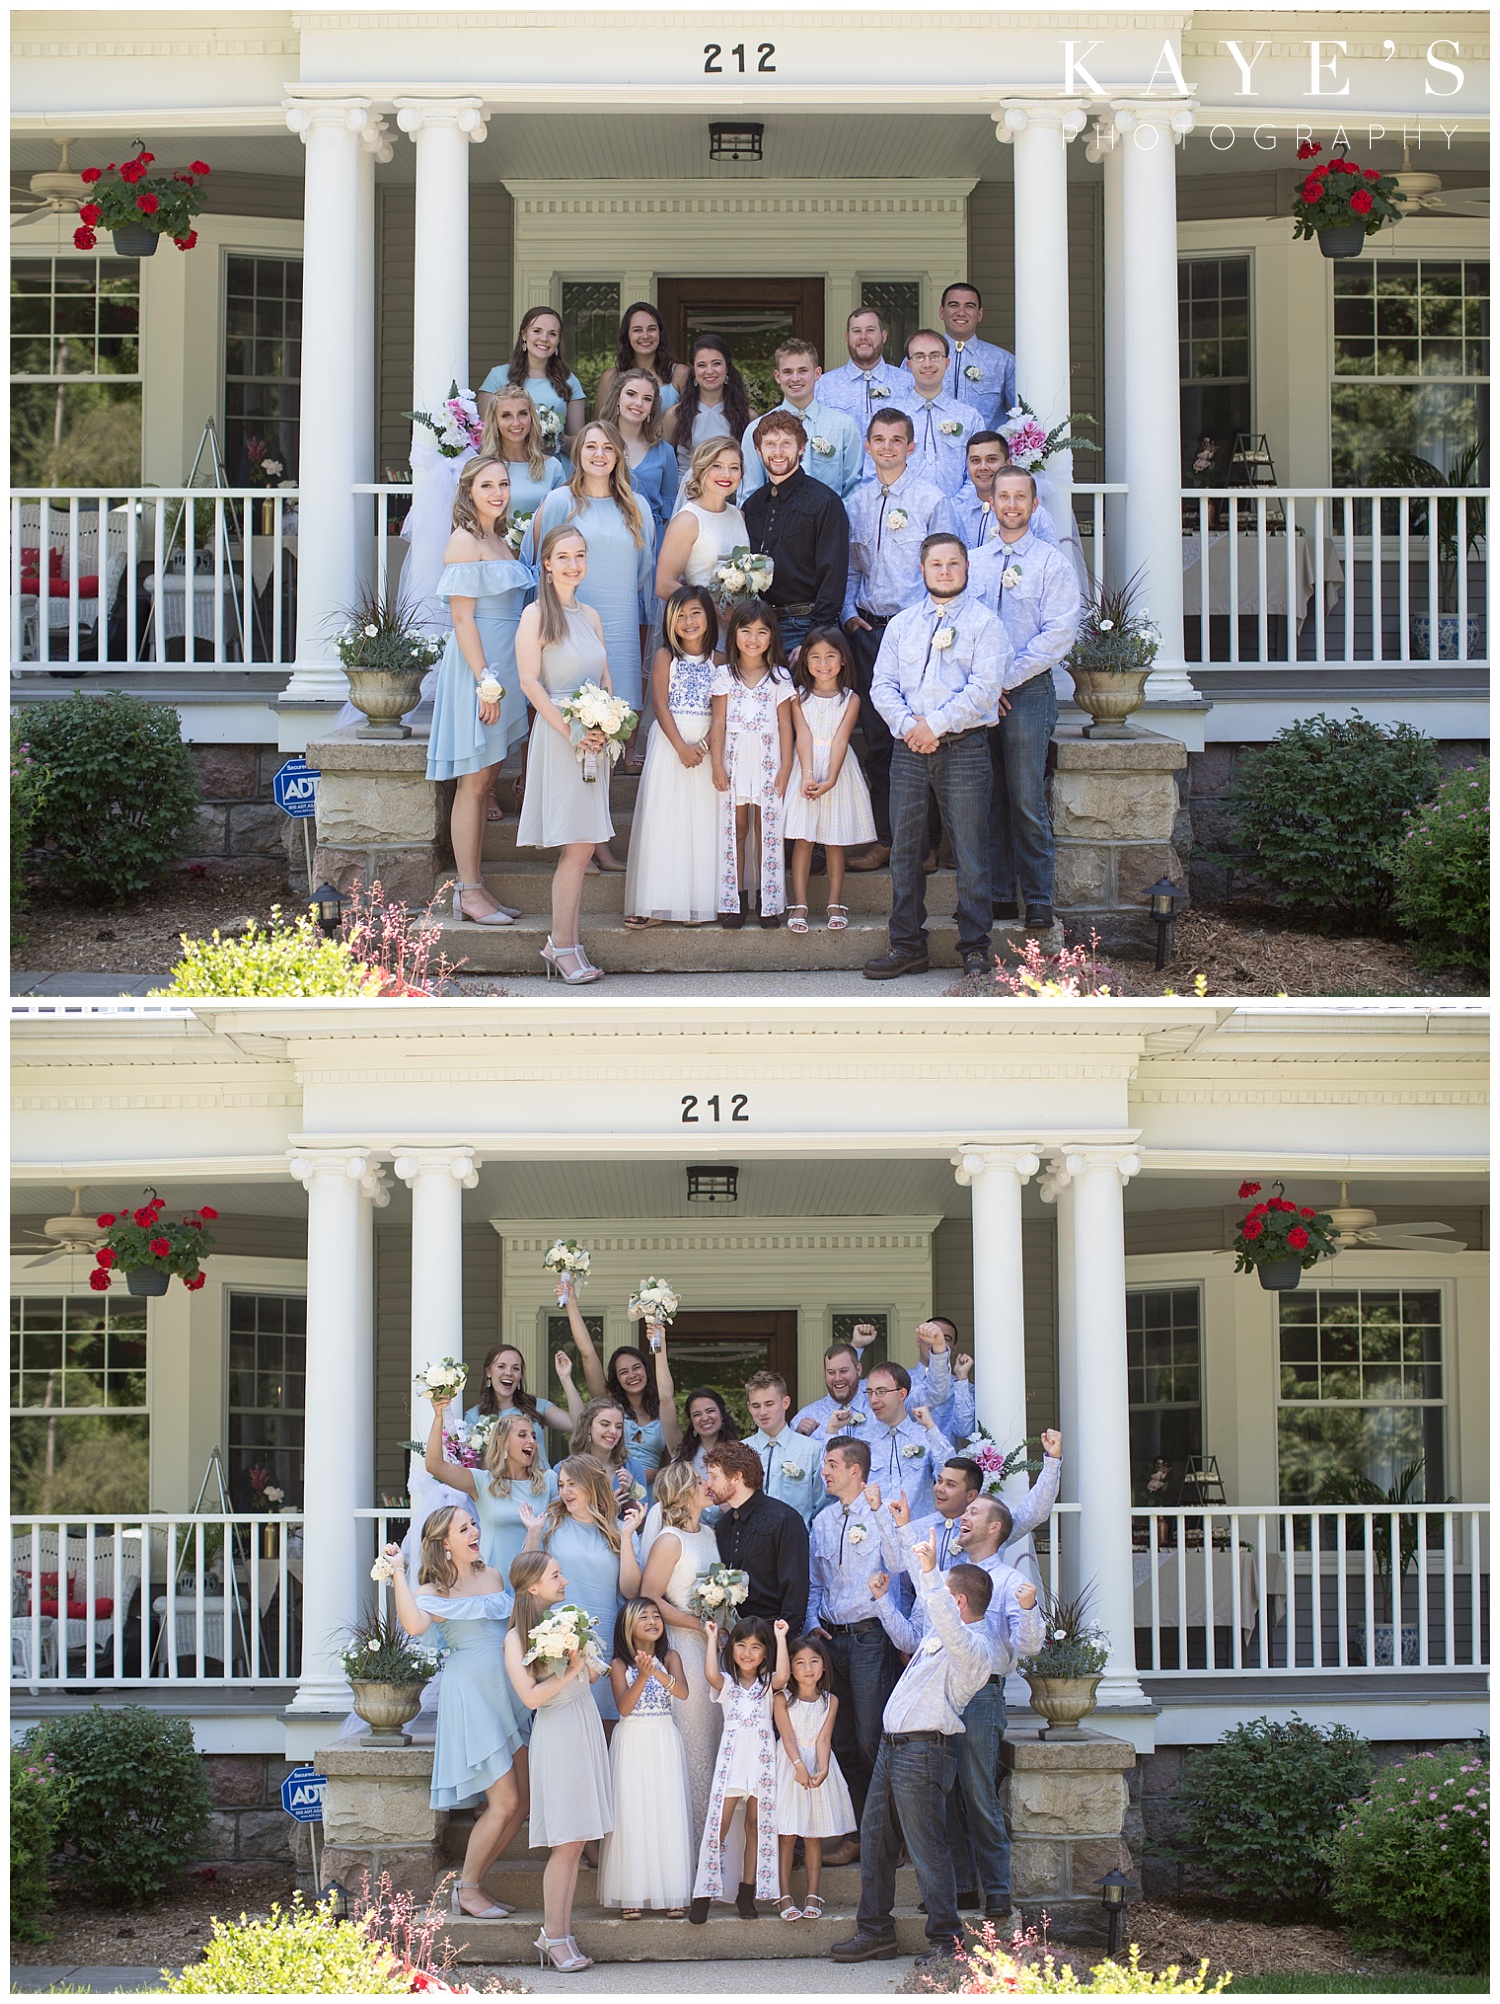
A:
[634,408]
[538,367]
[679,1556]
[644,1391]
[572,1803]
[600,1432]
[559,647]
[477,1736]
[715,403]
[513,433]
[511,1464]
[709,524]
[643,345]
[709,1422]
[581,1530]
[504,1378]
[478,710]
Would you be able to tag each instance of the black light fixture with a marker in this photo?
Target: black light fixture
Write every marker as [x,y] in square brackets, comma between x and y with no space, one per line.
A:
[338,1900]
[713,1183]
[327,906]
[735,142]
[1112,1892]
[1163,896]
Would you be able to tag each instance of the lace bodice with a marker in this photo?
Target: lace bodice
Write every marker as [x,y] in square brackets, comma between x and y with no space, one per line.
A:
[690,687]
[699,1550]
[654,1701]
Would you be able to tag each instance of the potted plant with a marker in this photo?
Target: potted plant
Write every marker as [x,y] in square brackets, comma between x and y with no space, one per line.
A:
[1409,469]
[386,1673]
[1393,1559]
[1340,203]
[139,209]
[385,656]
[1277,1240]
[149,1250]
[1111,656]
[1065,1674]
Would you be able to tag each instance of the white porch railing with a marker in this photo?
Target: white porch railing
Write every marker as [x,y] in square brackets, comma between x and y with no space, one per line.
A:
[392,499]
[154,1600]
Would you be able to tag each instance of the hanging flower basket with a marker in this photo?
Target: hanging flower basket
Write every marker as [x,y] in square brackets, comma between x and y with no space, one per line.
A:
[148,1251]
[139,208]
[135,240]
[1277,1240]
[1340,203]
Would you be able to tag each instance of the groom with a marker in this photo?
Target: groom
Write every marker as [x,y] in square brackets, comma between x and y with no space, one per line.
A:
[764,1538]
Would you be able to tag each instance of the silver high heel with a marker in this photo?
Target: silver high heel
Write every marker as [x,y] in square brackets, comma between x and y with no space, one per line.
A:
[547,1949]
[501,915]
[494,1912]
[581,971]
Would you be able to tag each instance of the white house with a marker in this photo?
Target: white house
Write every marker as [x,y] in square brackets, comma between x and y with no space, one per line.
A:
[1061,1180]
[390,190]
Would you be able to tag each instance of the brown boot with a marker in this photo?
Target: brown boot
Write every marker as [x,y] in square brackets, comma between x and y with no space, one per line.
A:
[875,857]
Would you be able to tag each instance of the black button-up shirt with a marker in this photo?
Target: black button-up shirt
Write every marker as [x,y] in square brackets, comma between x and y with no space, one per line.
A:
[768,1540]
[801,526]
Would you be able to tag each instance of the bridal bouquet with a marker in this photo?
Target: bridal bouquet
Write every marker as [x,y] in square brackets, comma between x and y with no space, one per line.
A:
[456,423]
[550,425]
[740,576]
[567,1258]
[466,1444]
[442,1380]
[594,709]
[998,1466]
[720,1591]
[1032,445]
[564,1628]
[515,535]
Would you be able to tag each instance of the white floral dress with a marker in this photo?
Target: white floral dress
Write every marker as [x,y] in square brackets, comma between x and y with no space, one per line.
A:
[752,753]
[746,1766]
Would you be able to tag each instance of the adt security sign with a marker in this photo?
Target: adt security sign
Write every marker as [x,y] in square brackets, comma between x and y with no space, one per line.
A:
[302,1794]
[296,788]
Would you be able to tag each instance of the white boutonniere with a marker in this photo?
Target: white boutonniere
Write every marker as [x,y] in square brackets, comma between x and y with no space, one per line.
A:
[951,427]
[880,389]
[913,1450]
[973,373]
[823,448]
[932,1645]
[1010,577]
[858,1535]
[896,519]
[791,1471]
[942,640]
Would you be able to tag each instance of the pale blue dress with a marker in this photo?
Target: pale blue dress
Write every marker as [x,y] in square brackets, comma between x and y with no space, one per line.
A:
[655,481]
[478,1726]
[592,1571]
[539,1427]
[501,1532]
[617,579]
[459,742]
[540,391]
[645,1449]
[527,491]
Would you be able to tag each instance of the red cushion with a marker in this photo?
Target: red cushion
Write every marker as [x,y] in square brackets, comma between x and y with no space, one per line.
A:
[31,553]
[88,587]
[31,581]
[78,1609]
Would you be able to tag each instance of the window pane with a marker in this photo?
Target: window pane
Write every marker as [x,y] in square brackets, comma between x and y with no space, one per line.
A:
[591,328]
[265,1399]
[1356,1423]
[1166,1422]
[81,1466]
[260,371]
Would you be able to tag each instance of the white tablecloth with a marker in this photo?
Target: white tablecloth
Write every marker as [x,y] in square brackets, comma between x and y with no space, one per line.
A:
[1191,1563]
[1249,573]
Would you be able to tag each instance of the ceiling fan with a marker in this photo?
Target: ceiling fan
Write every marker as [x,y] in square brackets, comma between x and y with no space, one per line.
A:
[1421,193]
[1359,1227]
[60,189]
[69,1234]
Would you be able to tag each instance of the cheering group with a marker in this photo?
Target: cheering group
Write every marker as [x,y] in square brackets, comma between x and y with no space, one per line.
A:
[802,1642]
[882,675]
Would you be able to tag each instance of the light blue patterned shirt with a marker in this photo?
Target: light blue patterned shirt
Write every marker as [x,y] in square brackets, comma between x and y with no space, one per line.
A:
[885,551]
[793,1469]
[1039,610]
[967,516]
[984,375]
[822,1410]
[863,393]
[955,688]
[844,1548]
[1010,1629]
[943,427]
[840,466]
[906,1457]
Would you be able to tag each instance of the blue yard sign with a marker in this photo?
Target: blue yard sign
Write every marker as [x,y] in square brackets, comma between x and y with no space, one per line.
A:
[302,1794]
[296,788]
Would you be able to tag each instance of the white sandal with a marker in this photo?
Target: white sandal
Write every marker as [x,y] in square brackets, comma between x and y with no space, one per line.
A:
[790,1911]
[838,918]
[794,924]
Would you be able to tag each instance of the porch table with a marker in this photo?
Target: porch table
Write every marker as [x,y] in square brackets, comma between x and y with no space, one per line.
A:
[263,556]
[1191,1562]
[1249,574]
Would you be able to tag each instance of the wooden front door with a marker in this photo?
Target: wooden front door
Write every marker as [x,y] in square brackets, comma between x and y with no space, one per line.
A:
[723,1349]
[751,314]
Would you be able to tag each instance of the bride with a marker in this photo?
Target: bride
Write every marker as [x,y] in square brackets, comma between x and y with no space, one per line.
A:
[680,1554]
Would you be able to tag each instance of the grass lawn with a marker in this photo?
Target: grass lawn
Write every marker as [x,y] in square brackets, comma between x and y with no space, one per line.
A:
[1406,1983]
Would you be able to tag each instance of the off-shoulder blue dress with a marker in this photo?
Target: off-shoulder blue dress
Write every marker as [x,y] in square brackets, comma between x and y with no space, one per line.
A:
[459,742]
[478,1729]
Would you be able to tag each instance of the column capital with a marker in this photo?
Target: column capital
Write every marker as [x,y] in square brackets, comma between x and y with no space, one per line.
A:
[1158,114]
[1068,115]
[376,1185]
[342,114]
[412,1163]
[463,114]
[978,1158]
[1122,1157]
[355,1163]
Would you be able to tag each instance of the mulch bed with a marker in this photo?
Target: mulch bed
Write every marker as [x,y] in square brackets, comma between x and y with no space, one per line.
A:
[136,936]
[1250,950]
[1171,1931]
[165,1932]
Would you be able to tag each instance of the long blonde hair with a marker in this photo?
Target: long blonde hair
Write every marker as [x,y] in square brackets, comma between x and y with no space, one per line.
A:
[703,458]
[436,1566]
[497,1453]
[582,1442]
[465,509]
[588,1472]
[553,613]
[621,491]
[609,410]
[491,445]
[526,1568]
[674,1485]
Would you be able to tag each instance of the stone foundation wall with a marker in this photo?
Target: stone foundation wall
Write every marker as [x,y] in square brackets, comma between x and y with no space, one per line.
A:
[1066,1805]
[380,818]
[249,1825]
[1120,823]
[238,821]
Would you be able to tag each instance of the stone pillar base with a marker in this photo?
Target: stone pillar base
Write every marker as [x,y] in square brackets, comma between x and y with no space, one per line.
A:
[1119,827]
[377,1818]
[1065,1805]
[378,818]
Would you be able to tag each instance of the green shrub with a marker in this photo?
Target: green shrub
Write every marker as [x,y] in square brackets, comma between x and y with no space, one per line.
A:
[1262,1804]
[275,960]
[986,1969]
[139,1804]
[1410,1862]
[38,1794]
[1441,868]
[1316,809]
[28,789]
[122,793]
[305,1951]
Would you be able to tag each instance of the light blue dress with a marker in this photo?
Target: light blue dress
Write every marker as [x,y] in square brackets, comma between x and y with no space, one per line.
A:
[478,1729]
[592,1571]
[539,1427]
[527,491]
[501,1532]
[655,481]
[618,576]
[645,1449]
[459,742]
[540,391]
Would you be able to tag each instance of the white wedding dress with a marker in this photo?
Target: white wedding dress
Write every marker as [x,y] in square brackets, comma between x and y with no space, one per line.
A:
[699,1719]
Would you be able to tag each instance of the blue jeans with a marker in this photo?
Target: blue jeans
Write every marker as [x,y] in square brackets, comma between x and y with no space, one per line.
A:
[1020,826]
[909,1798]
[794,630]
[977,1835]
[958,773]
[865,1670]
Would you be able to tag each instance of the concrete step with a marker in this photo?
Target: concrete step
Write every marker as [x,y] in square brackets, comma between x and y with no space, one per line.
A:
[707,949]
[518,1880]
[500,837]
[601,1933]
[524,882]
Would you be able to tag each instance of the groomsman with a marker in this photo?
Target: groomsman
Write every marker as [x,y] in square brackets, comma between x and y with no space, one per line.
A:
[959,1482]
[978,373]
[835,449]
[867,383]
[845,1405]
[792,1473]
[1033,588]
[971,511]
[889,518]
[906,1449]
[801,526]
[845,1550]
[943,423]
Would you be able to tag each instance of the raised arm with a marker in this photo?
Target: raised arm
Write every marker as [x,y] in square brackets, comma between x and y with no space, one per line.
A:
[631,1520]
[562,1363]
[588,1356]
[436,1463]
[781,1676]
[671,1427]
[1036,1505]
[901,1631]
[411,1617]
[711,1668]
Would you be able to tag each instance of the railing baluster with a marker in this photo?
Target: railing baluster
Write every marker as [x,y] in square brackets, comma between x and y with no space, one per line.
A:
[1154,1554]
[1377,580]
[1236,1652]
[1263,1591]
[17,623]
[1369,1527]
[1423,1653]
[1320,580]
[1404,559]
[73,578]
[279,528]
[1348,577]
[1477,1561]
[1293,579]
[1343,1590]
[1234,578]
[158,584]
[1434,604]
[218,512]
[1262,565]
[1450,1639]
[1462,525]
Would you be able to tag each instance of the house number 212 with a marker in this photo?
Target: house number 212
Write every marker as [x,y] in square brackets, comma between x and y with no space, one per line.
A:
[691,1102]
[713,50]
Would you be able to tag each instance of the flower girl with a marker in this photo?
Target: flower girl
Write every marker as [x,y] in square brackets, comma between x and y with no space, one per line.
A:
[812,1797]
[647,1859]
[827,800]
[750,744]
[672,871]
[745,1773]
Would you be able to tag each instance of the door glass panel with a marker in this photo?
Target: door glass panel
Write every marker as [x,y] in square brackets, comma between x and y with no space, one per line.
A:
[753,334]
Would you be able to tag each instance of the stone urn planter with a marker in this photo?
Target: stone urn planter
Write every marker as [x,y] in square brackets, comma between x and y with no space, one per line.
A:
[147,1280]
[135,241]
[1062,1702]
[1347,240]
[1280,1276]
[1109,695]
[384,695]
[385,1708]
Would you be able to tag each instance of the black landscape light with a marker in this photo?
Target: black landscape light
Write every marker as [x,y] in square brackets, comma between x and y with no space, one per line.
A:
[1112,1892]
[327,906]
[1163,896]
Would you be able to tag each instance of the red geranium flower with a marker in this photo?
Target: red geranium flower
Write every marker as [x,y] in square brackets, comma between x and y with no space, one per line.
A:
[195,1283]
[1312,188]
[104,1220]
[199,167]
[91,175]
[187,242]
[1249,1189]
[90,213]
[145,159]
[132,171]
[84,238]
[1372,173]
[98,1280]
[1342,167]
[1296,1238]
[105,1256]
[207,1211]
[147,204]
[1308,148]
[160,1247]
[142,1217]
[1305,1213]
[1361,201]
[1252,1228]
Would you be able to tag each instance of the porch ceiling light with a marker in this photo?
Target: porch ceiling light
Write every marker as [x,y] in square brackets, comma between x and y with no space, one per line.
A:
[1163,896]
[713,1183]
[735,142]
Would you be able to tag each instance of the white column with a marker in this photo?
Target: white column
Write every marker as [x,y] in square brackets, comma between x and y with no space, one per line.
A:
[1153,446]
[1057,1188]
[442,130]
[330,1545]
[1039,133]
[374,1194]
[436,1177]
[337,370]
[1101,1429]
[1108,147]
[994,1177]
[374,145]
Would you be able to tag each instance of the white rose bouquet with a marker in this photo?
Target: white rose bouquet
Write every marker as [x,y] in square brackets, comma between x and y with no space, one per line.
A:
[743,574]
[565,1628]
[718,1593]
[550,425]
[568,1257]
[515,535]
[591,708]
[455,423]
[655,1305]
[442,1380]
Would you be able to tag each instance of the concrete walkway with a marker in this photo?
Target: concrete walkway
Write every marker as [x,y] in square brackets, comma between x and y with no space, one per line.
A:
[605,1979]
[811,986]
[103,1980]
